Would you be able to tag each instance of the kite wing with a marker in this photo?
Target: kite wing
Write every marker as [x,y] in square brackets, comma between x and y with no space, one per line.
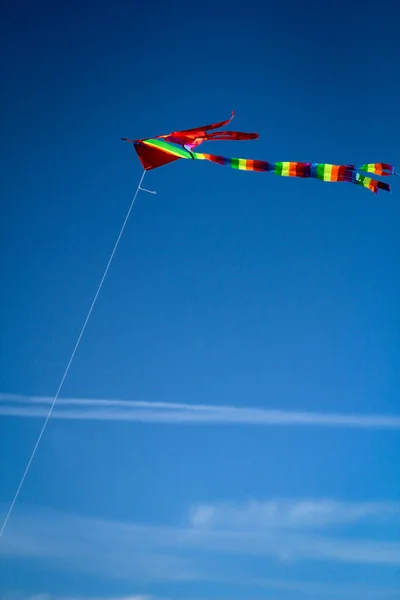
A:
[152,154]
[156,153]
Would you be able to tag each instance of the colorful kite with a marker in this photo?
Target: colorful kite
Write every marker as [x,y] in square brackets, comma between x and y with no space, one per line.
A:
[164,149]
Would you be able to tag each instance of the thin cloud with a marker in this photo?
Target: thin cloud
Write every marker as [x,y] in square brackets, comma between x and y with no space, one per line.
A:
[180,413]
[296,515]
[191,552]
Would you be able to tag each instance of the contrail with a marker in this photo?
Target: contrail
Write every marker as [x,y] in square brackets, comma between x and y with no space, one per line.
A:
[165,412]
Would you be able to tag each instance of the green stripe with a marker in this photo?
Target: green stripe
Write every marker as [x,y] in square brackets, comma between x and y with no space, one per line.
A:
[169,148]
[361,179]
[320,171]
[235,163]
[368,168]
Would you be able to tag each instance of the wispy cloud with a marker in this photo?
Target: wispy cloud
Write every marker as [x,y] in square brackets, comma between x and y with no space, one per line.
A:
[287,531]
[117,550]
[296,515]
[206,548]
[164,412]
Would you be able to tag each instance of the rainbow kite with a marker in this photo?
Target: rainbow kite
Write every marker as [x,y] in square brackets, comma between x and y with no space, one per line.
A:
[164,149]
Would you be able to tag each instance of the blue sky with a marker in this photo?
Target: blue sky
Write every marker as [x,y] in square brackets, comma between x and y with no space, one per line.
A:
[229,427]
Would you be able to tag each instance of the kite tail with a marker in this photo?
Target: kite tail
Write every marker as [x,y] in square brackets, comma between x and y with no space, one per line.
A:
[322,171]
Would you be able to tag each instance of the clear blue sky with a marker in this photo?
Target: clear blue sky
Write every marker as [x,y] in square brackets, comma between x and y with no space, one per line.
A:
[244,291]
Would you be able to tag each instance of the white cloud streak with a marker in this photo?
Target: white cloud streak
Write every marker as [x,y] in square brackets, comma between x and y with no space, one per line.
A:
[287,531]
[201,549]
[180,413]
[295,515]
[118,550]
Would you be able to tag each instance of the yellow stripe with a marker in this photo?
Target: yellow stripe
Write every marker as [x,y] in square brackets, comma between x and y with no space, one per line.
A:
[367,181]
[285,169]
[328,172]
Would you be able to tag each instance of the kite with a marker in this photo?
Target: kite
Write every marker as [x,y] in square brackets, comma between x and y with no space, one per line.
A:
[163,149]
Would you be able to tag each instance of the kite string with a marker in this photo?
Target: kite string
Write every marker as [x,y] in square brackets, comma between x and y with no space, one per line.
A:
[72,357]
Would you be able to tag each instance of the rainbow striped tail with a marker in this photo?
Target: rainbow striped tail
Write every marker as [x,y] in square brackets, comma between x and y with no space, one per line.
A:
[321,171]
